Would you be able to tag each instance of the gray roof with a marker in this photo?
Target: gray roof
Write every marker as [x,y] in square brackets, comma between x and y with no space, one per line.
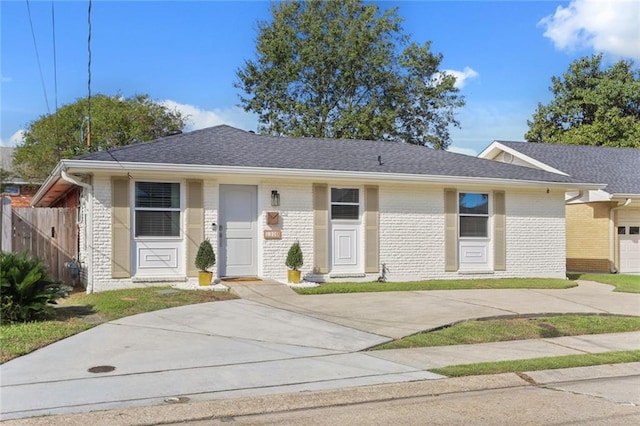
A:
[228,146]
[619,168]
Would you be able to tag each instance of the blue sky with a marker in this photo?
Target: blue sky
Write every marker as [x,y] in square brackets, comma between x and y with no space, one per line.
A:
[185,54]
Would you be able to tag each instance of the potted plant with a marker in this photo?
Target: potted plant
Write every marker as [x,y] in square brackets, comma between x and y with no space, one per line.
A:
[294,262]
[205,259]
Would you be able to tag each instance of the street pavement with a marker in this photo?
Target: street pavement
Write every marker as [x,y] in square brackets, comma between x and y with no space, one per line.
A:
[274,341]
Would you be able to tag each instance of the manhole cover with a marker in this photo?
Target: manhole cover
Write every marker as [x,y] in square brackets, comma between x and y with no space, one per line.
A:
[177,400]
[102,369]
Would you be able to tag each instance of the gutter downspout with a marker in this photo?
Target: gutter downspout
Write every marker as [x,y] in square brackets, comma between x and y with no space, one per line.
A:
[75,180]
[612,235]
[576,197]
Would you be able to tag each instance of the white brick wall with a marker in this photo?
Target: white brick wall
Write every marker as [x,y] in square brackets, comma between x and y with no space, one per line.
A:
[411,231]
[535,234]
[296,223]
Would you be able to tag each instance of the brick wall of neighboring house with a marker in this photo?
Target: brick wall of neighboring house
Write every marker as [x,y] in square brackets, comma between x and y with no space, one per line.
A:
[24,198]
[588,234]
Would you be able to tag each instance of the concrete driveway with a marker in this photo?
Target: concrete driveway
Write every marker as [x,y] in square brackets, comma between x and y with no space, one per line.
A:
[273,341]
[399,314]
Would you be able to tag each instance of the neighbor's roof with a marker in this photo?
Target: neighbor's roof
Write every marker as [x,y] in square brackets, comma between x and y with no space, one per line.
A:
[619,168]
[227,146]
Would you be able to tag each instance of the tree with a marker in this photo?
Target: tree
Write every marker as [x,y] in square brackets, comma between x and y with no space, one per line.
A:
[115,121]
[591,106]
[336,69]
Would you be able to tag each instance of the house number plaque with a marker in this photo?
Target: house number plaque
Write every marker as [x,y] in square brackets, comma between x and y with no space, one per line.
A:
[273,234]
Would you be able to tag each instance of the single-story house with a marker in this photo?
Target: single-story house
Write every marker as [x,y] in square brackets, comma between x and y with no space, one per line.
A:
[352,205]
[603,225]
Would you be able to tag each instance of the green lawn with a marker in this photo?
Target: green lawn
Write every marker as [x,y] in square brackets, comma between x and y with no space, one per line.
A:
[81,311]
[623,283]
[547,363]
[489,283]
[499,330]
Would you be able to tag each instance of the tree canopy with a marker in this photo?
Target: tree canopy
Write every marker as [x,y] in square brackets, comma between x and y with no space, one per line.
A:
[343,69]
[591,106]
[115,121]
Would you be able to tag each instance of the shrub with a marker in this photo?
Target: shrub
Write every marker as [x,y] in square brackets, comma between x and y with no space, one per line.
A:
[26,290]
[205,258]
[294,257]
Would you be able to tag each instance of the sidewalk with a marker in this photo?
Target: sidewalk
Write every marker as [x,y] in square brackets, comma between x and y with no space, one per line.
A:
[444,356]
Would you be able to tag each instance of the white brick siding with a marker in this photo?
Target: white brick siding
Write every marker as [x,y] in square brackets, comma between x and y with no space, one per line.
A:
[411,231]
[296,224]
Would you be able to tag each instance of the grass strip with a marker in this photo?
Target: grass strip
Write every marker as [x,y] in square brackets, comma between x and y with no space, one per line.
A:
[501,330]
[536,364]
[82,311]
[621,282]
[488,283]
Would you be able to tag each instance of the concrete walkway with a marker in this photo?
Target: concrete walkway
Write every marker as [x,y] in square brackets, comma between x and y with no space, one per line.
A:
[275,341]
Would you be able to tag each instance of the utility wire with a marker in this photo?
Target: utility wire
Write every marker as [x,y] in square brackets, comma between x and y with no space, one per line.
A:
[55,62]
[89,79]
[55,79]
[35,46]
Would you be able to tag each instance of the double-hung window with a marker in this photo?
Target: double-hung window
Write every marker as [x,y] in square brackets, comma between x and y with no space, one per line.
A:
[157,209]
[345,204]
[473,212]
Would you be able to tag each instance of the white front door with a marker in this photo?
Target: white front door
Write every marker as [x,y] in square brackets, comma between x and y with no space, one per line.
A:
[237,234]
[346,223]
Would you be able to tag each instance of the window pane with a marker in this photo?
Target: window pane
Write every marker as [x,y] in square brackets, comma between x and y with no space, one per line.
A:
[158,195]
[634,230]
[622,230]
[344,211]
[471,203]
[157,224]
[473,226]
[344,195]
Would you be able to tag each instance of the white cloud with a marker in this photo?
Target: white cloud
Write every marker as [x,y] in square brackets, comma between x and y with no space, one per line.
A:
[197,118]
[462,76]
[608,26]
[5,79]
[14,139]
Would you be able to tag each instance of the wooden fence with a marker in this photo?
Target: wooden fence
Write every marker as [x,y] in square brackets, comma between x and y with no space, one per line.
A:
[48,233]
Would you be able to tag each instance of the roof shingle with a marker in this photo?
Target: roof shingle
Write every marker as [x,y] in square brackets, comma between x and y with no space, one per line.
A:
[619,168]
[228,146]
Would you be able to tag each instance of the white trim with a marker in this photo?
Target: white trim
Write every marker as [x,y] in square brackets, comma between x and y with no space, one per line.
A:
[491,152]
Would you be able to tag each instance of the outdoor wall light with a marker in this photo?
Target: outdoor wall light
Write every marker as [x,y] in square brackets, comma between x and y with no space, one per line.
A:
[275,198]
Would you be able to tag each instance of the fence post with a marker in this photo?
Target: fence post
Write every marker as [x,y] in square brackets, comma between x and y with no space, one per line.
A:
[6,230]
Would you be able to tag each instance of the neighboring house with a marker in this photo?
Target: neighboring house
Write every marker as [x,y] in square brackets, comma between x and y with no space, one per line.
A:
[353,205]
[11,184]
[603,226]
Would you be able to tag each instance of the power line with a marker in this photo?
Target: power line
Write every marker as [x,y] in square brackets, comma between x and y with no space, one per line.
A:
[55,79]
[55,64]
[89,79]
[35,45]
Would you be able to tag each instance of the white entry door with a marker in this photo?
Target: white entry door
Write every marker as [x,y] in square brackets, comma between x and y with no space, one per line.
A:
[237,233]
[346,253]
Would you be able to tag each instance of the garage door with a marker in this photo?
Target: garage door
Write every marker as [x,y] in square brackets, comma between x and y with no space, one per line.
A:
[629,238]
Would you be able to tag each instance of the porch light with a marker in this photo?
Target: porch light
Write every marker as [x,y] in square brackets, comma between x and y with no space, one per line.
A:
[275,198]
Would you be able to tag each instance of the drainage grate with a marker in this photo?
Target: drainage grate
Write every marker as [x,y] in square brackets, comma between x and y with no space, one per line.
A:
[177,400]
[101,369]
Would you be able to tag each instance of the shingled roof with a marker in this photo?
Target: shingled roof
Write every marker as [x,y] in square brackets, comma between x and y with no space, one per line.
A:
[619,168]
[228,146]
